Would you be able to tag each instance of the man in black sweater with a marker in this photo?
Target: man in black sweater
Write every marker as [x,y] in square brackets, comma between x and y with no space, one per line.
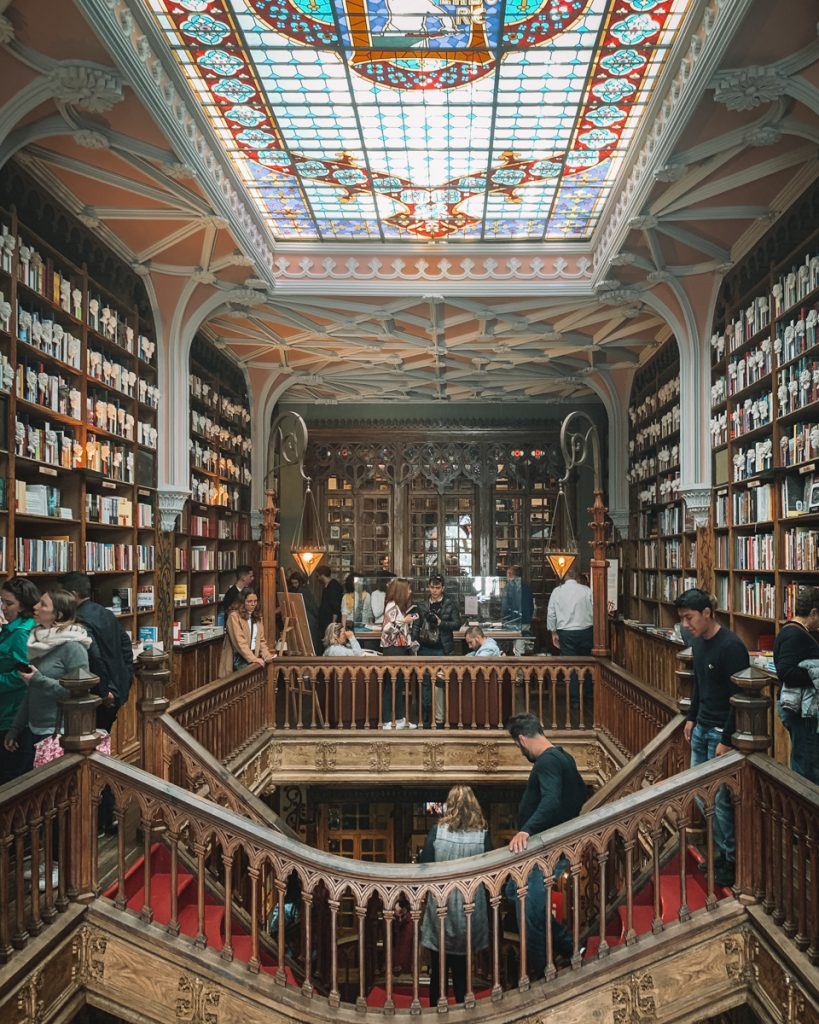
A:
[718,655]
[111,657]
[555,792]
[796,642]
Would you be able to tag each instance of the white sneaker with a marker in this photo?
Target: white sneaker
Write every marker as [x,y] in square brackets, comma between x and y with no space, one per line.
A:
[401,723]
[388,725]
[411,725]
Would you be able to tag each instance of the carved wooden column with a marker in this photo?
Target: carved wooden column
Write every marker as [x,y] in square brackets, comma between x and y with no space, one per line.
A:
[600,643]
[268,564]
[153,676]
[171,502]
[79,712]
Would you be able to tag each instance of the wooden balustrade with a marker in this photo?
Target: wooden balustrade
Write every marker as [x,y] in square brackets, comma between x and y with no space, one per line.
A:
[629,711]
[602,858]
[647,656]
[229,713]
[38,814]
[461,692]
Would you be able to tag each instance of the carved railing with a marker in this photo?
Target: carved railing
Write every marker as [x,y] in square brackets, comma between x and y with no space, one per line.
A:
[630,712]
[647,656]
[782,837]
[471,693]
[665,756]
[604,853]
[228,714]
[49,818]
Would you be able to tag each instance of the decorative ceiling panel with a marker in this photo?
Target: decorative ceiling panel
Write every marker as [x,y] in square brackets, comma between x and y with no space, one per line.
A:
[356,120]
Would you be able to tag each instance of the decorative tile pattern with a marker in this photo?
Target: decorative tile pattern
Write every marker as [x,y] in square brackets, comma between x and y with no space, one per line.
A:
[361,120]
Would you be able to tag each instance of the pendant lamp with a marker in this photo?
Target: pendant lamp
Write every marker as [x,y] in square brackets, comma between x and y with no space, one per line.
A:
[561,557]
[308,551]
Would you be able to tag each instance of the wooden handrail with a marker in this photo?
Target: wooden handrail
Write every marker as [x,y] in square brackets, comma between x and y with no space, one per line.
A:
[211,779]
[645,768]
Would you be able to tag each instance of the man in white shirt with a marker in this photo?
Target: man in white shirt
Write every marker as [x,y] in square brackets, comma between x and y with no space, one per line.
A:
[570,618]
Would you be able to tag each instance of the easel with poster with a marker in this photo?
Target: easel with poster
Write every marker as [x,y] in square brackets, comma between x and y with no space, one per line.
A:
[296,629]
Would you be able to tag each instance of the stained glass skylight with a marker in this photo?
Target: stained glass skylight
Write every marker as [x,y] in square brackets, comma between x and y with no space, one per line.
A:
[474,120]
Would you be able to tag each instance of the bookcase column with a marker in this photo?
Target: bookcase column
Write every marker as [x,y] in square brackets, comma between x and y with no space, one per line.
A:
[171,501]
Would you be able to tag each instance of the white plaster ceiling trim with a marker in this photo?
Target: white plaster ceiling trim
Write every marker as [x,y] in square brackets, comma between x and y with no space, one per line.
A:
[294,273]
[682,92]
[129,36]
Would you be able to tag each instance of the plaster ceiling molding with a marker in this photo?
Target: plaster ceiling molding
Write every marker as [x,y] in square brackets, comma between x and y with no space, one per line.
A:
[202,276]
[444,269]
[621,296]
[717,25]
[762,135]
[89,139]
[179,171]
[623,259]
[85,85]
[698,503]
[670,173]
[171,501]
[747,88]
[6,30]
[136,54]
[88,216]
[660,277]
[142,270]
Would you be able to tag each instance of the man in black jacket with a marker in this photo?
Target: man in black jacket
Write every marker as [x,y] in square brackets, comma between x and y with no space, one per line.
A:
[331,595]
[111,657]
[796,642]
[555,792]
[434,629]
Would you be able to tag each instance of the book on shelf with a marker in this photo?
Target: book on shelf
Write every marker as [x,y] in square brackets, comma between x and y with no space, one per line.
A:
[145,597]
[121,599]
[180,593]
[148,635]
[209,593]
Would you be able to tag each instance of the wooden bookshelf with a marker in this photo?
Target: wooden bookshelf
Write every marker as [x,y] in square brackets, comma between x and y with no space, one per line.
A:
[765,446]
[214,528]
[78,426]
[662,557]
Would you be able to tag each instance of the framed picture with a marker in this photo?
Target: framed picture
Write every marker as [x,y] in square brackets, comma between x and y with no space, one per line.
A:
[809,482]
[813,497]
[335,533]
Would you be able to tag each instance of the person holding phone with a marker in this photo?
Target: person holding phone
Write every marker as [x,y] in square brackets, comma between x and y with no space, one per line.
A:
[18,596]
[56,645]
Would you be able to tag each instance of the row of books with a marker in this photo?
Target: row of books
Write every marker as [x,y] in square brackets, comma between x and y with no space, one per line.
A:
[40,500]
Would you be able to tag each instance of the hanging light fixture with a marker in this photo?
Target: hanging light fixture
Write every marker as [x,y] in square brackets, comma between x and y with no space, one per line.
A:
[561,557]
[308,551]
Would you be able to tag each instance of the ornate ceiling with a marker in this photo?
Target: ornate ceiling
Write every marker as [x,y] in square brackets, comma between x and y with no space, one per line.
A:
[472,120]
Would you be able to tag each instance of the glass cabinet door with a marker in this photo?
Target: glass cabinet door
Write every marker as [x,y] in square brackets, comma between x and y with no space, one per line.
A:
[374,541]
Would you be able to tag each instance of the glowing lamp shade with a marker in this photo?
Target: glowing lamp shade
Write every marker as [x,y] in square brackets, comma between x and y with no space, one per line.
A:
[561,561]
[308,551]
[308,557]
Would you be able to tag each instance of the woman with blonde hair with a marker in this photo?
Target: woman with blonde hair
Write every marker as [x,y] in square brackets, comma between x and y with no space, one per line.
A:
[461,832]
[244,635]
[396,641]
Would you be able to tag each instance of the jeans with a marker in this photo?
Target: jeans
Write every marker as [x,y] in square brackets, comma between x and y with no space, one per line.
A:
[426,688]
[804,744]
[562,945]
[386,698]
[577,643]
[704,748]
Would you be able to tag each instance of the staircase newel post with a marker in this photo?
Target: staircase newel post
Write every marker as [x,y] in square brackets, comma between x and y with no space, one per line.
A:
[752,733]
[79,712]
[153,676]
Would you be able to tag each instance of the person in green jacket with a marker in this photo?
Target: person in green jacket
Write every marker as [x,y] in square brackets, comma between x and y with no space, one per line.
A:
[18,596]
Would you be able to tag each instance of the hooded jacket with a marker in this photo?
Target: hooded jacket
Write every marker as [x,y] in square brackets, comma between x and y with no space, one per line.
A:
[53,652]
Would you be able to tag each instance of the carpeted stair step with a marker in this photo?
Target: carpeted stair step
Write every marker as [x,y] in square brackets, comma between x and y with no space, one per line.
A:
[214,918]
